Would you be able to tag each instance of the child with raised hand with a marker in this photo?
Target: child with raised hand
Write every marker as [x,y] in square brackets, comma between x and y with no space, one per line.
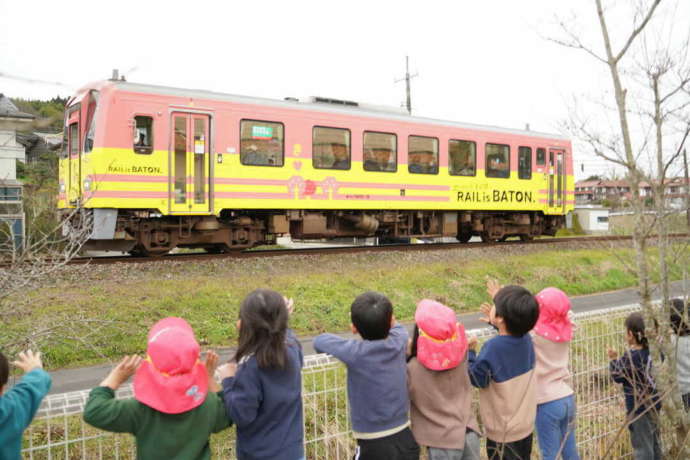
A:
[19,404]
[555,397]
[376,379]
[440,391]
[262,388]
[175,406]
[633,371]
[681,344]
[504,373]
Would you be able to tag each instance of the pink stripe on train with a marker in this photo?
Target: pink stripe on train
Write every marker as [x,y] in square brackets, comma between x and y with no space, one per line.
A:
[127,194]
[128,178]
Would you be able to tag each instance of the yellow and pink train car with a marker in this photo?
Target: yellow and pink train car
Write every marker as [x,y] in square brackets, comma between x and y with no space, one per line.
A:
[159,168]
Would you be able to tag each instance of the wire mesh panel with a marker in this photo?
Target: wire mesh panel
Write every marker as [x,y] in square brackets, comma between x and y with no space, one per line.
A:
[59,432]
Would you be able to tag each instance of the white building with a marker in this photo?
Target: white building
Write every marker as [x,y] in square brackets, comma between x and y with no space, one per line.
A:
[592,218]
[11,209]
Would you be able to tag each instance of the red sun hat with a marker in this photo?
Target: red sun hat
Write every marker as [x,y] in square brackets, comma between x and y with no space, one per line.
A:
[171,379]
[442,343]
[554,321]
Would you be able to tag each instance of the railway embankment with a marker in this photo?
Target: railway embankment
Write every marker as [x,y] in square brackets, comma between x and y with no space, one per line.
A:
[112,306]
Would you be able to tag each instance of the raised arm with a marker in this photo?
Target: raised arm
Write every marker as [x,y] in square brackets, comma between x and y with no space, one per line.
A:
[242,393]
[103,411]
[343,349]
[479,369]
[25,397]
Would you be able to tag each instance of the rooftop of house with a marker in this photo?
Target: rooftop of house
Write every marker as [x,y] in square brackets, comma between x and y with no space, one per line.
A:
[9,110]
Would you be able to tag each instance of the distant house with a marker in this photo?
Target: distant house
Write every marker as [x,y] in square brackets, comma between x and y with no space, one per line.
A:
[594,191]
[11,209]
[37,144]
[676,191]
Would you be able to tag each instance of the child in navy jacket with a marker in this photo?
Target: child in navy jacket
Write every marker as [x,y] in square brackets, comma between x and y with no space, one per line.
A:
[376,379]
[262,389]
[504,373]
[633,370]
[19,405]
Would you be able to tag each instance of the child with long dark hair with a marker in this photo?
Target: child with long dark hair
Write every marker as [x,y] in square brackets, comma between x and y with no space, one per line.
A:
[681,344]
[633,371]
[262,388]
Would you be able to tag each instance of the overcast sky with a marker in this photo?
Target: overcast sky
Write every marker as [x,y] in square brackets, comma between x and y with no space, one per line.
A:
[483,62]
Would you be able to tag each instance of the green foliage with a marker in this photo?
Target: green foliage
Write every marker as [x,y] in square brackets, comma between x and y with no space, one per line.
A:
[49,114]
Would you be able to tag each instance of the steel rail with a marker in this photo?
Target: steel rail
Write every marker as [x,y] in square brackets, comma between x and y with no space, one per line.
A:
[250,254]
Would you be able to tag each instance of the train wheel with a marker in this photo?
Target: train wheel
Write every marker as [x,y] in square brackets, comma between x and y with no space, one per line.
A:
[524,237]
[464,237]
[140,251]
[220,249]
[503,238]
[487,239]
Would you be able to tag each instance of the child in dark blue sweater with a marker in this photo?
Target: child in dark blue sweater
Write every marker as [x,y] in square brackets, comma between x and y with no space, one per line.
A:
[376,379]
[262,389]
[634,371]
[504,373]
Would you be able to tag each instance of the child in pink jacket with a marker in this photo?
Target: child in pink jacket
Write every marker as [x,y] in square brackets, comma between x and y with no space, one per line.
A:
[551,335]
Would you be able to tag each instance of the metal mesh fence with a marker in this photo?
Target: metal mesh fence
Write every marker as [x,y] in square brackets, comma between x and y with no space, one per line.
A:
[59,432]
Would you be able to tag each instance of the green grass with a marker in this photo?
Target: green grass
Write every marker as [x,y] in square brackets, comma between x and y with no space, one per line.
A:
[121,301]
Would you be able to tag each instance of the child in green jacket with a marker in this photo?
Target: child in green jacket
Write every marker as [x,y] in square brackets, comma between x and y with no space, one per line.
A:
[175,406]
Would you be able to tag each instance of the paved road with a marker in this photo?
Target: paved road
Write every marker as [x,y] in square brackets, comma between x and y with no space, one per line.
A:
[87,377]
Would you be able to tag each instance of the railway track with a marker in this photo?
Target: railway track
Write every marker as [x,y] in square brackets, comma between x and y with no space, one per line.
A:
[250,254]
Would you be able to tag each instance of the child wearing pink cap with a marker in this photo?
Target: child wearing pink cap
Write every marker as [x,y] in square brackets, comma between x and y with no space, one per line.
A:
[440,391]
[551,335]
[175,406]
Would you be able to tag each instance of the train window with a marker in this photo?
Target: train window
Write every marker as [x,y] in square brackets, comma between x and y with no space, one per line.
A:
[541,157]
[143,134]
[380,152]
[74,139]
[462,158]
[330,148]
[200,150]
[422,155]
[497,161]
[525,162]
[180,159]
[261,143]
[91,121]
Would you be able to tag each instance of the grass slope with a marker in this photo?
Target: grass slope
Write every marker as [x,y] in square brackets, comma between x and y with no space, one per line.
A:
[122,301]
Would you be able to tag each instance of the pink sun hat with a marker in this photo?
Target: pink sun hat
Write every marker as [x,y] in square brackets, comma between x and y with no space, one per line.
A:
[442,343]
[171,379]
[554,315]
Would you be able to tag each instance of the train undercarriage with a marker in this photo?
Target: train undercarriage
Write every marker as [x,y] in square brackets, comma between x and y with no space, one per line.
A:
[148,233]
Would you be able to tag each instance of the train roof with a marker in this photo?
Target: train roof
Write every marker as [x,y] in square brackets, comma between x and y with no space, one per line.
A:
[317,106]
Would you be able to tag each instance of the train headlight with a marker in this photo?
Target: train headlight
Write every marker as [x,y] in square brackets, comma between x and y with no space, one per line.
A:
[87,184]
[62,187]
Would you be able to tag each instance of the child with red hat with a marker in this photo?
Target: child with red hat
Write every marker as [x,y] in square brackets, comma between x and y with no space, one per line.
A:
[440,391]
[551,335]
[175,406]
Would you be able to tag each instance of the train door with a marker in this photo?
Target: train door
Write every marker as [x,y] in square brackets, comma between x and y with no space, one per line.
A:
[72,136]
[560,177]
[190,163]
[556,174]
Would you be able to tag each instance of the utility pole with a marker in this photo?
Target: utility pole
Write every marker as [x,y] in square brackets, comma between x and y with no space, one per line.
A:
[407,79]
[687,188]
